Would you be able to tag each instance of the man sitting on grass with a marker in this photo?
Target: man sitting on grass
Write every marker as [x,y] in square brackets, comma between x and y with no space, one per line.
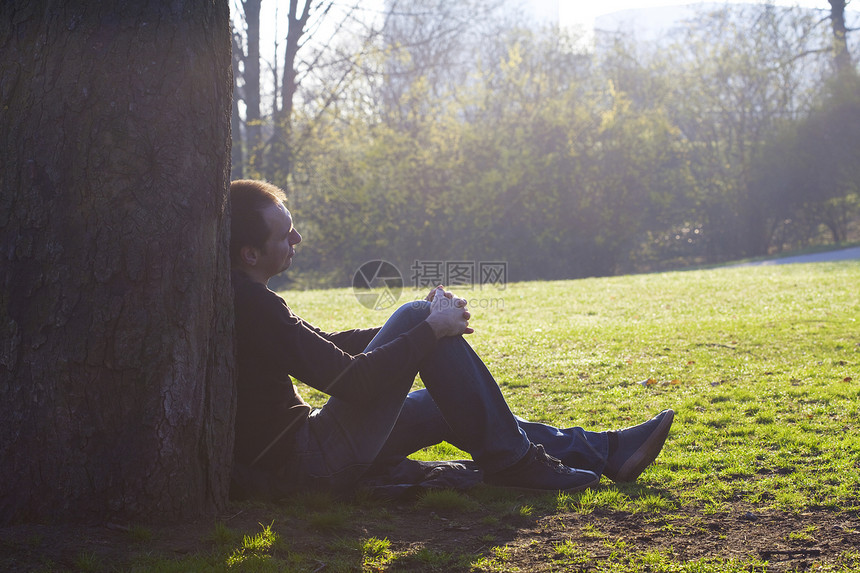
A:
[371,416]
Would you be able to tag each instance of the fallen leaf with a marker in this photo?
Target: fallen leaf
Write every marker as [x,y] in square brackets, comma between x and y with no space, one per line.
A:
[649,382]
[847,379]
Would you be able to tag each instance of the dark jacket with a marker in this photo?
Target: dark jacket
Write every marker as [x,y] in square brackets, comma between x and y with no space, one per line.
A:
[274,345]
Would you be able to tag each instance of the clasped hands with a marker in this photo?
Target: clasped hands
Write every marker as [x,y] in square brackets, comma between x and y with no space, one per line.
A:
[448,314]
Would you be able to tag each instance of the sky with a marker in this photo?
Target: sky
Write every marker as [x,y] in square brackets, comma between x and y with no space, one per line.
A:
[583,12]
[570,12]
[580,13]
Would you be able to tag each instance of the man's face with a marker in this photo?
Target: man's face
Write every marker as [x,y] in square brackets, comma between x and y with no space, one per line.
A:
[278,251]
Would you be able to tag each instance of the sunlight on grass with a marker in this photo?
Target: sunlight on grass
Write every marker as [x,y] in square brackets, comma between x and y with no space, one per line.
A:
[500,555]
[760,365]
[651,503]
[261,541]
[254,551]
[569,554]
[592,499]
[525,511]
[441,451]
[376,553]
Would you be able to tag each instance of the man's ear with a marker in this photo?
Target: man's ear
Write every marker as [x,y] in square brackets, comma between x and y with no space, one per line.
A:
[249,256]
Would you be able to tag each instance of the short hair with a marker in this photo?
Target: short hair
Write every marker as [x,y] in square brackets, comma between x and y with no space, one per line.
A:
[248,199]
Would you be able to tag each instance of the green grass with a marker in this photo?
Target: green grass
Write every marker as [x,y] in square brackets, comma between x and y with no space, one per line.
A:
[761,364]
[446,500]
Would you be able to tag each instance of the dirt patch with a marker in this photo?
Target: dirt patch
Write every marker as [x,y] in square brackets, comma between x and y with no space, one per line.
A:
[786,542]
[532,543]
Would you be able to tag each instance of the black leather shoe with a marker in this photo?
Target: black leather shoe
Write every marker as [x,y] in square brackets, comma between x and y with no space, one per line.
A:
[638,447]
[537,470]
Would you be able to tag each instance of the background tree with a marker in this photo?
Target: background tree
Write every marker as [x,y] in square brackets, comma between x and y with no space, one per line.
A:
[247,134]
[115,321]
[266,136]
[811,173]
[279,154]
[841,54]
[325,46]
[237,151]
[450,137]
[739,80]
[437,43]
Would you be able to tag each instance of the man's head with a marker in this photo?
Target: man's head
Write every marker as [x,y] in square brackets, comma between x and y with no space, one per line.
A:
[262,235]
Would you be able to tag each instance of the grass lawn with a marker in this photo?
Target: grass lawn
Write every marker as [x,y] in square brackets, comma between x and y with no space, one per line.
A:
[761,471]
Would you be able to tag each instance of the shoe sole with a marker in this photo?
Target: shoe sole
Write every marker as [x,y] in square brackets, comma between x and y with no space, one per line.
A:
[647,452]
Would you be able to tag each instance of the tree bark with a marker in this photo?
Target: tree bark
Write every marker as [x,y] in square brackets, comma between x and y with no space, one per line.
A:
[237,154]
[841,55]
[280,158]
[251,77]
[116,356]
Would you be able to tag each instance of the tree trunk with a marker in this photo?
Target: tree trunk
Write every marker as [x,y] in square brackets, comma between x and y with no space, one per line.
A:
[280,160]
[237,154]
[841,55]
[116,356]
[251,78]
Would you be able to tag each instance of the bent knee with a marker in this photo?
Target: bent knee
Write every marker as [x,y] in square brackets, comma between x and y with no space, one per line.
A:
[419,305]
[414,311]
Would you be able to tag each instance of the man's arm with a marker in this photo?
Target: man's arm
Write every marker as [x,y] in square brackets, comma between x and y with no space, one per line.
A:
[286,344]
[356,340]
[350,341]
[319,363]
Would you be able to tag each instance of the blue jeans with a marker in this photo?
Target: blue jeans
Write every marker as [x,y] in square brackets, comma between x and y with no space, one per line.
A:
[462,404]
